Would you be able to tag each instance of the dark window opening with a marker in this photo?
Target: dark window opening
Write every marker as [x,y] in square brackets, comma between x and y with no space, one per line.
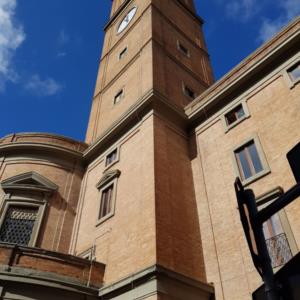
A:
[183,49]
[294,72]
[123,53]
[235,114]
[118,97]
[111,157]
[189,92]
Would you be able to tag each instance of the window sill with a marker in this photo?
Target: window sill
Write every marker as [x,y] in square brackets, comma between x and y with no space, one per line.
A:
[293,83]
[110,165]
[256,177]
[237,122]
[102,220]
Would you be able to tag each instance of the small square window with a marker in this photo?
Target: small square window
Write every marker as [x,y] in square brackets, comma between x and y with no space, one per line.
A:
[294,72]
[189,92]
[106,202]
[123,53]
[119,96]
[235,114]
[183,49]
[111,157]
[248,160]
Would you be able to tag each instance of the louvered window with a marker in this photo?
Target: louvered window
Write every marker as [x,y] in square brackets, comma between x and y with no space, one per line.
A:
[18,224]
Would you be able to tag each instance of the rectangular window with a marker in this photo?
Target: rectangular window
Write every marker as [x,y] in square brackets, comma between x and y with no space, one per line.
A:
[189,92]
[18,224]
[277,242]
[123,53]
[183,49]
[235,114]
[294,72]
[279,238]
[119,96]
[248,160]
[106,202]
[111,157]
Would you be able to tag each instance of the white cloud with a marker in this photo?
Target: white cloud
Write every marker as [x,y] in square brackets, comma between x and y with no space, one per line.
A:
[43,88]
[63,38]
[11,37]
[289,10]
[242,10]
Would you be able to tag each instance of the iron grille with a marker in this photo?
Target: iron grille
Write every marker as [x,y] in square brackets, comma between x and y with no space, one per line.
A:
[18,225]
[279,250]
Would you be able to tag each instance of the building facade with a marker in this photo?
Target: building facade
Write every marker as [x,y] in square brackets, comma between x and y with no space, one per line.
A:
[145,208]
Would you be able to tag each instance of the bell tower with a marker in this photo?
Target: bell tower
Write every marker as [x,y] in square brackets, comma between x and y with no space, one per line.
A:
[138,211]
[150,46]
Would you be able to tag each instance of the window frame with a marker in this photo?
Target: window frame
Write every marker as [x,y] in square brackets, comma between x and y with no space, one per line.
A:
[25,202]
[238,121]
[121,94]
[123,53]
[33,194]
[184,87]
[265,199]
[108,179]
[181,47]
[107,166]
[291,83]
[265,166]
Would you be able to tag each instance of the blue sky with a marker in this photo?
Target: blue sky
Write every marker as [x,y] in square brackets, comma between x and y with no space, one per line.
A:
[49,52]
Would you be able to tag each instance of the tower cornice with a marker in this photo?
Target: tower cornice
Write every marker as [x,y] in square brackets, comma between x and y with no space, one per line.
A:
[126,2]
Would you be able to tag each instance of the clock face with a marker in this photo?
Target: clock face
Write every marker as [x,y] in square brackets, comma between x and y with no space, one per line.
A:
[127,19]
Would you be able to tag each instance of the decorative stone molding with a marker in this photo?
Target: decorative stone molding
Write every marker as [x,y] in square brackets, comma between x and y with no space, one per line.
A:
[30,181]
[157,280]
[107,177]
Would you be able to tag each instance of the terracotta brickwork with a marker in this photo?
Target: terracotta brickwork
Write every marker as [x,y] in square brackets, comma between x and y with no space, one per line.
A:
[178,231]
[126,241]
[153,61]
[45,263]
[37,154]
[148,206]
[274,118]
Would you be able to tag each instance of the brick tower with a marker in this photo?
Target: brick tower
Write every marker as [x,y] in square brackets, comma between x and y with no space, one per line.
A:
[146,209]
[137,211]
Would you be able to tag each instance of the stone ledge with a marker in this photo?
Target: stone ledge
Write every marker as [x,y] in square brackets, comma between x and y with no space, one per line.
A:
[157,280]
[44,138]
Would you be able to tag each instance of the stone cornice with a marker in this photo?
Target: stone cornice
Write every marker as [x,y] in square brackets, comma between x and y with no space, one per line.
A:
[248,68]
[155,273]
[38,183]
[50,150]
[151,100]
[108,177]
[121,8]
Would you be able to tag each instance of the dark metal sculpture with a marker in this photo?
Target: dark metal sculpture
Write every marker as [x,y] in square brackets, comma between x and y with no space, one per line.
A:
[252,221]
